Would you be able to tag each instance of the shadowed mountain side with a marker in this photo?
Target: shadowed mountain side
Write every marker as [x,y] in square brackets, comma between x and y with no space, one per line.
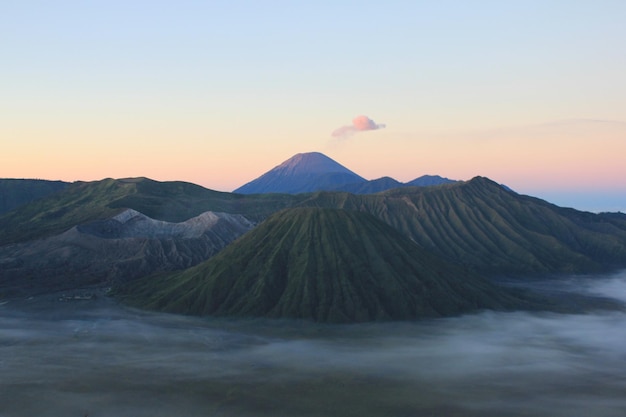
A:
[428,181]
[483,226]
[370,187]
[388,183]
[127,246]
[17,192]
[85,202]
[324,265]
[617,219]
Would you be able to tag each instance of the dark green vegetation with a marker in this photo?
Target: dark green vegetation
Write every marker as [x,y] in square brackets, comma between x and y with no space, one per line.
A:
[84,202]
[17,192]
[483,226]
[477,224]
[403,253]
[325,265]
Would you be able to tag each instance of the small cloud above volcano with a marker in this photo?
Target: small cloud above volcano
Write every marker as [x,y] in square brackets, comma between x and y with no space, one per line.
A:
[359,124]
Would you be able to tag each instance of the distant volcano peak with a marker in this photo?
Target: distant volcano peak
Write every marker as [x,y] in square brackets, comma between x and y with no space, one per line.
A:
[302,173]
[312,163]
[313,171]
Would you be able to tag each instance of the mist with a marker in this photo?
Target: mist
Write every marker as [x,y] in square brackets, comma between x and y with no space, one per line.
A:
[98,358]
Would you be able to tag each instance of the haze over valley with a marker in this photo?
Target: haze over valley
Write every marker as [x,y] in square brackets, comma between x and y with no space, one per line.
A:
[98,358]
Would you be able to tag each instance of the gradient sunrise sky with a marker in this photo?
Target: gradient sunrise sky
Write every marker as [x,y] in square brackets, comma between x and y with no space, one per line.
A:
[528,93]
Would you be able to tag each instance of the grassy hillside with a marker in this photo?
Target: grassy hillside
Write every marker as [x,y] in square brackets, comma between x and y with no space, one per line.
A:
[83,202]
[323,265]
[17,192]
[481,225]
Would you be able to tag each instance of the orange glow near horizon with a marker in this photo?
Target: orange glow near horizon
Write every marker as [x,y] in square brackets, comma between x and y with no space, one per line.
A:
[580,155]
[552,158]
[461,91]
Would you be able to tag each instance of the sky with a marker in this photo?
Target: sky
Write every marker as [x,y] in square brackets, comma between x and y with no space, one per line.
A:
[530,93]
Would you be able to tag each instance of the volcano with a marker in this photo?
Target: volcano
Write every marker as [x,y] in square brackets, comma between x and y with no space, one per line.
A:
[324,265]
[302,173]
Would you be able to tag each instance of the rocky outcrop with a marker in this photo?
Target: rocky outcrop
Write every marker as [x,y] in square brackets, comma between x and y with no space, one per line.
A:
[115,250]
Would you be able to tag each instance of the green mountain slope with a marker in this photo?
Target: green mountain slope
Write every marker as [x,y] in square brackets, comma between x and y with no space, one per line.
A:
[483,226]
[478,223]
[324,265]
[84,202]
[17,192]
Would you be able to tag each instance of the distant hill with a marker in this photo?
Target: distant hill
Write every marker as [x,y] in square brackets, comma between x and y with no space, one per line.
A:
[429,180]
[17,192]
[325,265]
[302,173]
[369,187]
[314,171]
[388,183]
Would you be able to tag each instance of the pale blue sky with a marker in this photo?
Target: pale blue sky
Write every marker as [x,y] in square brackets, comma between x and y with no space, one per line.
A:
[218,92]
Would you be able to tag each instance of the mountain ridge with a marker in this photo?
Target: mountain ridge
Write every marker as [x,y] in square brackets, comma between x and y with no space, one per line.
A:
[172,201]
[303,172]
[16,192]
[476,223]
[314,171]
[484,226]
[387,183]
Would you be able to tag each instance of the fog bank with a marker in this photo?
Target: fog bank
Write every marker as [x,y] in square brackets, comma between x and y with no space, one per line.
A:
[100,359]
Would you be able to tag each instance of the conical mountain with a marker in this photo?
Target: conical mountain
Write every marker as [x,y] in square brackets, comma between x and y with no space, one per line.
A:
[325,265]
[302,173]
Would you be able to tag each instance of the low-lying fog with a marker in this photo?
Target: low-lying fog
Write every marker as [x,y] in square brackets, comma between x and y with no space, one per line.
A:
[97,359]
